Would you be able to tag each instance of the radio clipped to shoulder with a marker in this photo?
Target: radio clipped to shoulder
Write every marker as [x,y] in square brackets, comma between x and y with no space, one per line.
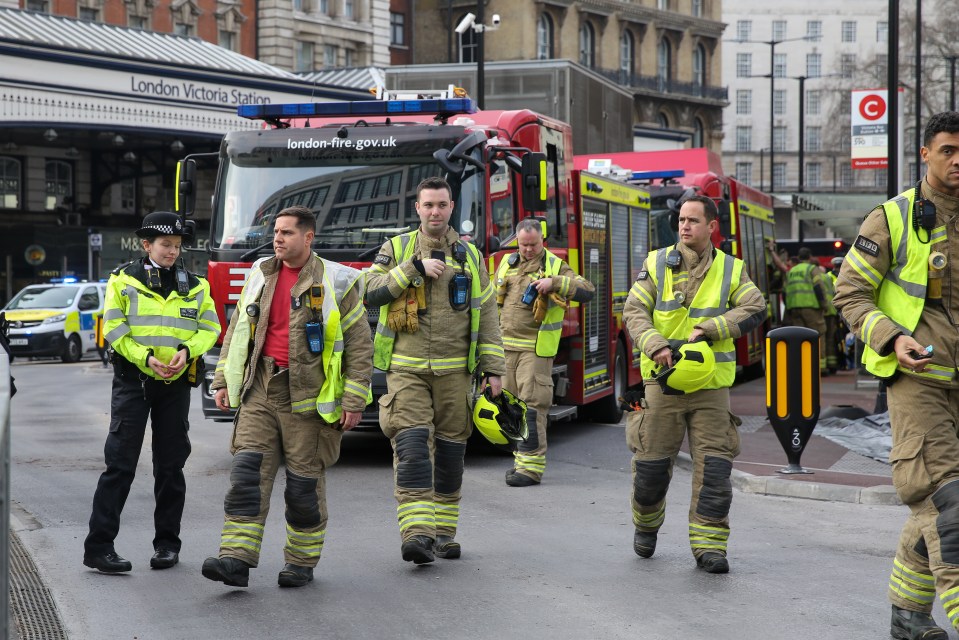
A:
[923,213]
[674,258]
[314,328]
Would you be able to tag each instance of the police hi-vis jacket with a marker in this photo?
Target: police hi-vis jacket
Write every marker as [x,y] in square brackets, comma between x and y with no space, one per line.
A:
[139,321]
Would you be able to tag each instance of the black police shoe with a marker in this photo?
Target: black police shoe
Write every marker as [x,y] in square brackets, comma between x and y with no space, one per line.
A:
[644,543]
[164,559]
[447,548]
[418,550]
[229,571]
[516,479]
[713,562]
[293,575]
[108,563]
[914,625]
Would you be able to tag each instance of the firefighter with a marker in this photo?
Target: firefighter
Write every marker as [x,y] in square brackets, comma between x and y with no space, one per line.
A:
[806,299]
[533,288]
[898,290]
[159,320]
[438,325]
[685,294]
[828,339]
[297,362]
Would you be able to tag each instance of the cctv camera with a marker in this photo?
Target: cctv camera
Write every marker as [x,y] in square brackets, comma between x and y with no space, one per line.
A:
[465,23]
[496,19]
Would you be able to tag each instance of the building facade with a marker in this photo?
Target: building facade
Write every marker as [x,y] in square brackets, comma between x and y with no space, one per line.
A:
[666,53]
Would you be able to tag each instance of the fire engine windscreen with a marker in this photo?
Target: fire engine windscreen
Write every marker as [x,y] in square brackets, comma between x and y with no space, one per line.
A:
[360,181]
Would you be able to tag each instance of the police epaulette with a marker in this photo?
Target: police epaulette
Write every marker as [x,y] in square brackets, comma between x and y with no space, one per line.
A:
[123,266]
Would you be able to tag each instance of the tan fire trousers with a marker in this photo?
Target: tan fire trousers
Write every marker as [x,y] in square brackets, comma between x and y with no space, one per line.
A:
[530,378]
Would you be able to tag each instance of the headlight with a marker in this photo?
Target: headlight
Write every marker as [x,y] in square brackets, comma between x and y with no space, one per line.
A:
[62,317]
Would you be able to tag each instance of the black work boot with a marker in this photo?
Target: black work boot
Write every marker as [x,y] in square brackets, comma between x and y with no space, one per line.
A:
[293,575]
[644,543]
[418,550]
[229,571]
[516,479]
[713,562]
[108,563]
[914,625]
[447,548]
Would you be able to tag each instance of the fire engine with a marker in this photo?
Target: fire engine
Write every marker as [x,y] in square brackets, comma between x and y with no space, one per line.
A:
[357,165]
[745,218]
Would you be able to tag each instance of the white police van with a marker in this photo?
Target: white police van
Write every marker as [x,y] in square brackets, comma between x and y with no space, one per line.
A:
[55,319]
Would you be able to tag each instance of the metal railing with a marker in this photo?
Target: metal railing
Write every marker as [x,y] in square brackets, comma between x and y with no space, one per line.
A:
[664,85]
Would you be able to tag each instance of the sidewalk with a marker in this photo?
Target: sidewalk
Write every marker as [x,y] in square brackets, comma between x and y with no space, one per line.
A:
[838,474]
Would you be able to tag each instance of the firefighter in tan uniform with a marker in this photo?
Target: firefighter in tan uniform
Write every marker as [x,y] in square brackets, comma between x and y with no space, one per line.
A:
[898,290]
[438,325]
[683,294]
[533,288]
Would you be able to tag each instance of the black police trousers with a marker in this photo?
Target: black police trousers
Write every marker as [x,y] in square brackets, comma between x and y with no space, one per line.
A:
[168,405]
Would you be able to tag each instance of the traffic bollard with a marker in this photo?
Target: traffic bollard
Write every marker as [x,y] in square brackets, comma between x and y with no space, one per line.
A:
[792,389]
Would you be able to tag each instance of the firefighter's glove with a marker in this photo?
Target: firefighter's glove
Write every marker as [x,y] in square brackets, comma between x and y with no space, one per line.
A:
[559,300]
[396,314]
[412,319]
[421,297]
[632,400]
[540,306]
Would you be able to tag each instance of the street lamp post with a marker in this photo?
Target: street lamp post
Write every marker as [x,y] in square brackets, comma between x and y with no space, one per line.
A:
[952,81]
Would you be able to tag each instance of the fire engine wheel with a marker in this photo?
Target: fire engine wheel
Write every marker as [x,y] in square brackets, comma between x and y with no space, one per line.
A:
[608,410]
[73,351]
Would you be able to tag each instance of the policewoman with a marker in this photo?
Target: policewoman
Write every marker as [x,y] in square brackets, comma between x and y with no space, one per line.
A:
[160,320]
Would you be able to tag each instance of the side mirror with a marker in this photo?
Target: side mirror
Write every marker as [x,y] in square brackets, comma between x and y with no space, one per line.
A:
[186,187]
[189,231]
[533,176]
[493,244]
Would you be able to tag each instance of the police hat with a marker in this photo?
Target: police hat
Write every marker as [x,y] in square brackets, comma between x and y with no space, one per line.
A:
[161,223]
[837,261]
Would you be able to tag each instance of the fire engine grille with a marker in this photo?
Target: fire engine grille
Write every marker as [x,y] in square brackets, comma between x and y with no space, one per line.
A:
[596,313]
[31,604]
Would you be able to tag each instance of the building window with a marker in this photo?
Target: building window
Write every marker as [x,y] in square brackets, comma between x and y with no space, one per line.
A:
[697,8]
[43,6]
[744,65]
[847,64]
[881,64]
[348,10]
[744,138]
[325,7]
[303,56]
[744,102]
[302,5]
[779,65]
[814,102]
[744,172]
[347,57]
[183,29]
[744,30]
[228,40]
[879,178]
[882,31]
[397,29]
[330,52]
[699,133]
[845,175]
[845,104]
[779,138]
[699,66]
[813,65]
[627,53]
[59,183]
[814,29]
[662,5]
[779,175]
[138,22]
[664,63]
[587,45]
[544,37]
[9,183]
[813,138]
[814,174]
[848,31]
[89,14]
[779,29]
[663,120]
[467,44]
[779,102]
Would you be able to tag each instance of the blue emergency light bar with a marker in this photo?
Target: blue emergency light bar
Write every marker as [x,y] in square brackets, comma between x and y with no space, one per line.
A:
[67,280]
[658,175]
[430,106]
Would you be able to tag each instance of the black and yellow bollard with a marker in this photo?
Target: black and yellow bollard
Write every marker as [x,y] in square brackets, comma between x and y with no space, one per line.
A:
[792,389]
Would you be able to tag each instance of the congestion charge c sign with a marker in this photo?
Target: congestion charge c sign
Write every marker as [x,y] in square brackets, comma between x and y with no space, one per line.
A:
[872,107]
[35,255]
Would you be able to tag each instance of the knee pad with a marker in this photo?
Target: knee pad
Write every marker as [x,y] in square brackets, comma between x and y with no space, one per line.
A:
[651,481]
[532,441]
[946,500]
[243,498]
[302,507]
[716,494]
[413,468]
[448,466]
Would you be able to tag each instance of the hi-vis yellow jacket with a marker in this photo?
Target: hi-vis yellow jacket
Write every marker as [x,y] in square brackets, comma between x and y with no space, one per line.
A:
[139,321]
[337,379]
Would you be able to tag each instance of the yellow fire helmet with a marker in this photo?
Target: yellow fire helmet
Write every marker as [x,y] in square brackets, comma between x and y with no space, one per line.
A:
[694,364]
[501,420]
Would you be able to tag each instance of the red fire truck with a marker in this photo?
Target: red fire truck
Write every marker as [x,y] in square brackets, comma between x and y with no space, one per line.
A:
[357,165]
[745,216]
